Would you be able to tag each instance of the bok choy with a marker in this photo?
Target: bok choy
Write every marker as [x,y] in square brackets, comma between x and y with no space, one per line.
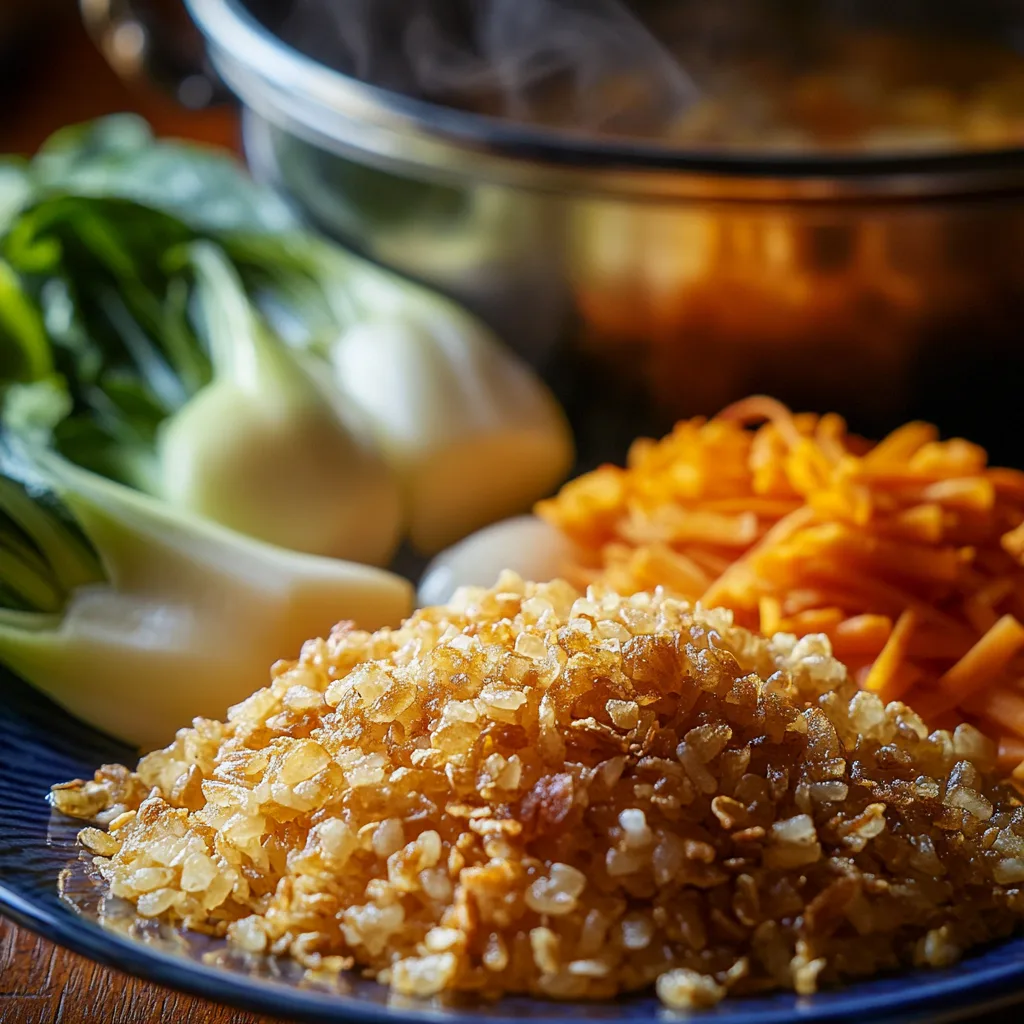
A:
[199,400]
[137,617]
[471,432]
[140,339]
[265,448]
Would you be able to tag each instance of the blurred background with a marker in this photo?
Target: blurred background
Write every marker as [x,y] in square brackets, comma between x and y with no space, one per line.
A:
[662,206]
[55,74]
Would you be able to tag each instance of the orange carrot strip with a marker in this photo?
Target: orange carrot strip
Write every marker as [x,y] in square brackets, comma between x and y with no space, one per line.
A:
[801,599]
[1011,755]
[985,661]
[975,492]
[1008,482]
[771,615]
[830,434]
[688,526]
[955,457]
[935,643]
[1002,708]
[761,407]
[783,529]
[711,562]
[882,677]
[814,620]
[861,634]
[979,607]
[885,597]
[1013,543]
[765,508]
[659,565]
[901,444]
[923,523]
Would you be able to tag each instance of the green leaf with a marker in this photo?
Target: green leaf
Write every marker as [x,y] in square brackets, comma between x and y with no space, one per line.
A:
[15,189]
[147,358]
[26,576]
[63,320]
[67,148]
[36,408]
[24,346]
[116,313]
[129,460]
[27,248]
[42,554]
[117,157]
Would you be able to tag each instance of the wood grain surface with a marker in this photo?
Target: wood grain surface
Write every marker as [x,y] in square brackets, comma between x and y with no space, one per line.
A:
[41,984]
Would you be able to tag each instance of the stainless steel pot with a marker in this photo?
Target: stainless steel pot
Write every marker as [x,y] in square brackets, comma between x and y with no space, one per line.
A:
[653,283]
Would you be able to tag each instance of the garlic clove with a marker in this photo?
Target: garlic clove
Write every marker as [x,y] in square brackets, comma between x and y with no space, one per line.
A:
[528,546]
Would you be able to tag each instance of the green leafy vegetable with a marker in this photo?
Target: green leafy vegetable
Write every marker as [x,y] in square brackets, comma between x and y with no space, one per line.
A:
[137,617]
[116,157]
[471,433]
[15,189]
[267,450]
[24,346]
[468,430]
[187,370]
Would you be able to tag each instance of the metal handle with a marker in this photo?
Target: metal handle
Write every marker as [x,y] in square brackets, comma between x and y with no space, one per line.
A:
[155,40]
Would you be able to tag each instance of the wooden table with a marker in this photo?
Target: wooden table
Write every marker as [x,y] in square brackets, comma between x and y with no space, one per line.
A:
[41,984]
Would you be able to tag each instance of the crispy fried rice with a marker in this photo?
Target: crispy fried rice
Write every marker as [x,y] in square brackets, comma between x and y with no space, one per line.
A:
[532,790]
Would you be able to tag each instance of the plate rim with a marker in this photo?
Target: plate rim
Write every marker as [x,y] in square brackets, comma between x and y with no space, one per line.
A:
[90,940]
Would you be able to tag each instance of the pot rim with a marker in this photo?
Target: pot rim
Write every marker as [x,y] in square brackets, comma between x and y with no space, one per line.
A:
[393,131]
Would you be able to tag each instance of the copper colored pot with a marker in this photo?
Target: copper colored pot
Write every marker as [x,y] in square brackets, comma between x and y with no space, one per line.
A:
[653,280]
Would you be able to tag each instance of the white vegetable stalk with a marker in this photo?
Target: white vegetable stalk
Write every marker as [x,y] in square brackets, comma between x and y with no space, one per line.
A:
[471,432]
[189,617]
[265,449]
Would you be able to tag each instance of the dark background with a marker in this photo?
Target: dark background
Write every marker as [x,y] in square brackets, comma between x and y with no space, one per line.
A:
[52,75]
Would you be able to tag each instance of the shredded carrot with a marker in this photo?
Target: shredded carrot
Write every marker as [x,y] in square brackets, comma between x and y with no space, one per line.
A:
[672,525]
[985,660]
[782,530]
[861,634]
[885,672]
[761,407]
[1013,543]
[924,523]
[814,620]
[979,607]
[1002,709]
[1011,755]
[902,444]
[974,492]
[907,554]
[771,615]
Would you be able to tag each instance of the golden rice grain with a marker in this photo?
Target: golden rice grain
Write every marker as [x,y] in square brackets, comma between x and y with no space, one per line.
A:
[536,791]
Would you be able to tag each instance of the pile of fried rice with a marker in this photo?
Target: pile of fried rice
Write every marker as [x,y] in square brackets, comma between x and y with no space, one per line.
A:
[532,790]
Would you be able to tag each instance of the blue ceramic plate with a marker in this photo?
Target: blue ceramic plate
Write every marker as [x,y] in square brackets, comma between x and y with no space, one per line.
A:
[44,886]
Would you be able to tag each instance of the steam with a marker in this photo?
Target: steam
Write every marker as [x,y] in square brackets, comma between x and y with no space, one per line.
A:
[587,64]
